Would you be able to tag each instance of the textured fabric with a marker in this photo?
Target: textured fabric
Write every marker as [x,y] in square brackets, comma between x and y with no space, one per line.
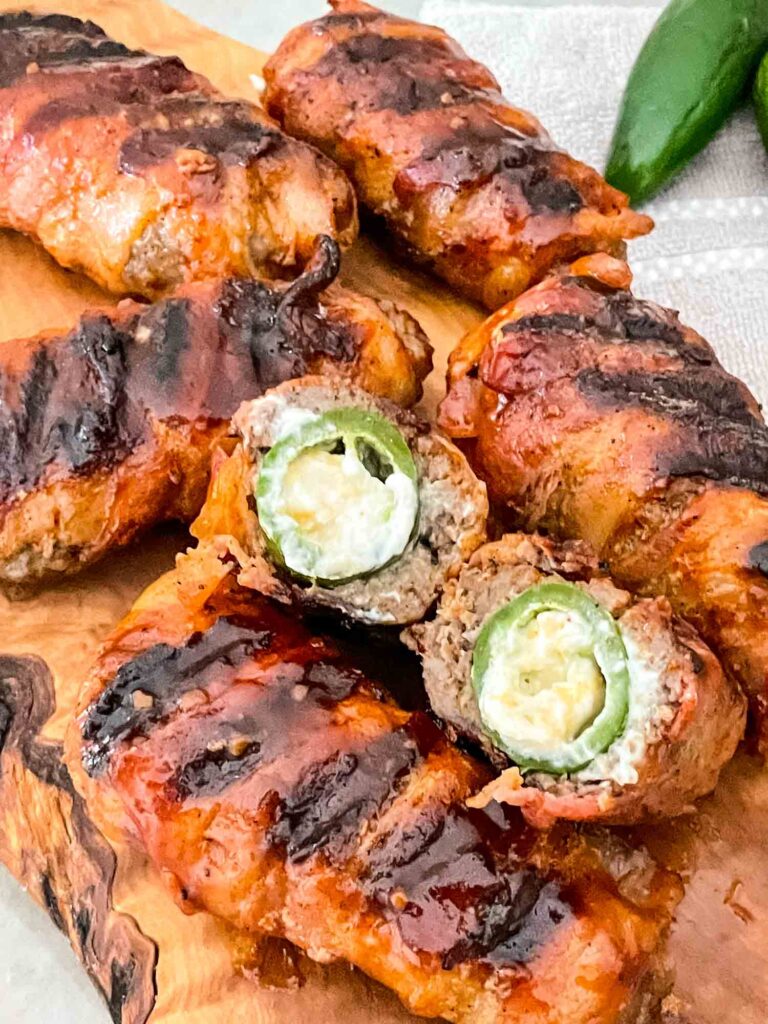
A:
[708,256]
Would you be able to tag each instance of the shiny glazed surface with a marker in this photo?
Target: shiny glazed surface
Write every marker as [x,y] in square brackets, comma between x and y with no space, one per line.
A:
[469,186]
[278,788]
[158,179]
[595,414]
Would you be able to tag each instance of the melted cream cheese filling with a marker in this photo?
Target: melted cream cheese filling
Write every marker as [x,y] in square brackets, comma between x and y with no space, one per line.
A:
[337,520]
[542,687]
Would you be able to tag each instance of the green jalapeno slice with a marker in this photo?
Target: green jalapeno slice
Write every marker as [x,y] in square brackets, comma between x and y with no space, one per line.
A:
[551,676]
[338,497]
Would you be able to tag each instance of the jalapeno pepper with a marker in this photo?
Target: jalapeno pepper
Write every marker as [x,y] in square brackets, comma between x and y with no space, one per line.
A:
[760,95]
[528,693]
[337,498]
[692,71]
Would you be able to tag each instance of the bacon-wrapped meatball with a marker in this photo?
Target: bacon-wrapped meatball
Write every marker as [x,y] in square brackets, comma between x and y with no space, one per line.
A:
[339,499]
[134,170]
[597,415]
[469,185]
[608,708]
[109,428]
[276,787]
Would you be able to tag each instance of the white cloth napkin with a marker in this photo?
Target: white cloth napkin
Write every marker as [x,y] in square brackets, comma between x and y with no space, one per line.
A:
[708,256]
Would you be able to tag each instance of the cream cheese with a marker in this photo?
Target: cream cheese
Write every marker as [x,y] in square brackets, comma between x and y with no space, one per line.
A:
[337,520]
[542,686]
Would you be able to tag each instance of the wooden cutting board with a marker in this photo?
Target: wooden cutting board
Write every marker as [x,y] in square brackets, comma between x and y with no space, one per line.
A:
[152,962]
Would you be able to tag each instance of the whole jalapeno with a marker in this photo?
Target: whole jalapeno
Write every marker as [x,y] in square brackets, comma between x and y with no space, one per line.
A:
[691,73]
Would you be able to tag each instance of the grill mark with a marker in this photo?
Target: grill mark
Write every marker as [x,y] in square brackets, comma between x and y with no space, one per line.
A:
[731,444]
[372,49]
[622,320]
[211,772]
[54,113]
[548,912]
[146,690]
[52,41]
[337,19]
[327,806]
[159,86]
[171,335]
[284,713]
[498,917]
[548,323]
[547,194]
[479,150]
[158,677]
[233,143]
[643,321]
[757,558]
[70,407]
[402,74]
[680,396]
[87,399]
[456,886]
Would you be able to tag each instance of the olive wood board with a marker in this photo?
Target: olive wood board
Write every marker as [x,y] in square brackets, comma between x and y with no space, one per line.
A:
[152,962]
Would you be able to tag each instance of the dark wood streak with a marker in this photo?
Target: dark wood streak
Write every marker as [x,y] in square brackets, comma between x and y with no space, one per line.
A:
[758,558]
[51,903]
[71,872]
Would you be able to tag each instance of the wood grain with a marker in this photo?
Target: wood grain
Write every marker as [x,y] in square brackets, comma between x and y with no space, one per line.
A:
[203,974]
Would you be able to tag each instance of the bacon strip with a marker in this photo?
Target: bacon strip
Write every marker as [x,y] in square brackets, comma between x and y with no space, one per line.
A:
[136,171]
[595,414]
[278,788]
[469,185]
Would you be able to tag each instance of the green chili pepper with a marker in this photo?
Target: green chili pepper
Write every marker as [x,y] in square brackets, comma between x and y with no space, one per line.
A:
[498,664]
[760,94]
[337,498]
[691,73]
